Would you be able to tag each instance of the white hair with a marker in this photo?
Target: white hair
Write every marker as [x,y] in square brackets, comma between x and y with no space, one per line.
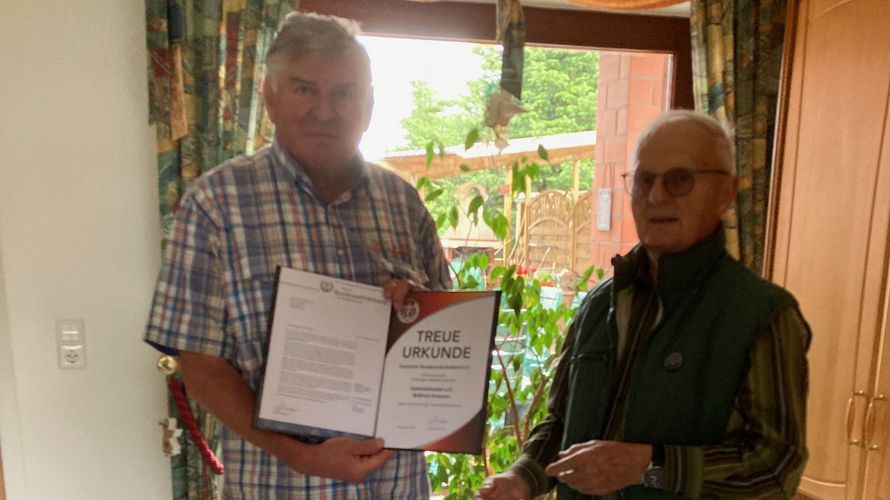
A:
[303,33]
[722,137]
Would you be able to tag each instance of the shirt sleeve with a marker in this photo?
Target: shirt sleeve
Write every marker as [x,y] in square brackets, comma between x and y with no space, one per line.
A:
[188,308]
[764,450]
[545,439]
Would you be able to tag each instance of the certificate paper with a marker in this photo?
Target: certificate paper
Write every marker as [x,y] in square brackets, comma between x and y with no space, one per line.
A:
[337,364]
[325,357]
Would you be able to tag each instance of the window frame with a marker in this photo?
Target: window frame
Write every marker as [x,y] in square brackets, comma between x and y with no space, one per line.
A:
[475,22]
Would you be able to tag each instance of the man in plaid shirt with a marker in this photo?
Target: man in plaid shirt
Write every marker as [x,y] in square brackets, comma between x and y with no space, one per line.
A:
[309,202]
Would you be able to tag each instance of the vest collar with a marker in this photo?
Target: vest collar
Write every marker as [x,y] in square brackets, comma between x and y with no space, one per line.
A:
[676,271]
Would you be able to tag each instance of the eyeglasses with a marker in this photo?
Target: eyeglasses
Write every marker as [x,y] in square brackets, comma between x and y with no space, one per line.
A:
[676,181]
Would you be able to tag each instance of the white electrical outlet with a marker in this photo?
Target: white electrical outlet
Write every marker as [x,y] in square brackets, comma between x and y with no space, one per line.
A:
[72,356]
[70,341]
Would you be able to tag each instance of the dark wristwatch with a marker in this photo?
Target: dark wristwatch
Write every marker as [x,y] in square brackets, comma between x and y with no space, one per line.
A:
[653,477]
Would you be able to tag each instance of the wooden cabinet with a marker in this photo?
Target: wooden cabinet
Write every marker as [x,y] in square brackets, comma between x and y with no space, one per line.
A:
[831,239]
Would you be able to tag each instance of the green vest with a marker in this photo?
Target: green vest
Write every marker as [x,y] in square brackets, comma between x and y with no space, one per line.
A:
[687,373]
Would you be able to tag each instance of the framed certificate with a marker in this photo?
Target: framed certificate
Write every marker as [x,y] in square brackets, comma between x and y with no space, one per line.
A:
[340,361]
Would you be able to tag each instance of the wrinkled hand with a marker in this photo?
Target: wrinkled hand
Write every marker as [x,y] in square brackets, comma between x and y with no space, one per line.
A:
[343,458]
[505,486]
[397,289]
[601,467]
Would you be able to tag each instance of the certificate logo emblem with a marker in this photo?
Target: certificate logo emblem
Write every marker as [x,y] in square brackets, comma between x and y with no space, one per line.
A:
[326,286]
[410,311]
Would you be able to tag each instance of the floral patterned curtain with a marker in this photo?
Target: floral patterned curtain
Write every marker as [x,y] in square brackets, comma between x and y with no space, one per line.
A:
[204,75]
[736,62]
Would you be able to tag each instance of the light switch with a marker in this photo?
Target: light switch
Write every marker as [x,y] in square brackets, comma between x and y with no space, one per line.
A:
[604,209]
[69,330]
[71,343]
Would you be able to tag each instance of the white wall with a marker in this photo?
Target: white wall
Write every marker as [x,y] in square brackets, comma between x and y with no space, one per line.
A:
[78,238]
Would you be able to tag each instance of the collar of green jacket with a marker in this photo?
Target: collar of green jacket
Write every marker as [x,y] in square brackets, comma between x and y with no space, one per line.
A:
[677,272]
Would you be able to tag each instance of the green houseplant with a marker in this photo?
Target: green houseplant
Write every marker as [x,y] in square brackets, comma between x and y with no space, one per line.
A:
[528,341]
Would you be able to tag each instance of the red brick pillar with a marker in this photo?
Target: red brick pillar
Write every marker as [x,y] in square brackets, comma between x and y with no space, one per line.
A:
[631,94]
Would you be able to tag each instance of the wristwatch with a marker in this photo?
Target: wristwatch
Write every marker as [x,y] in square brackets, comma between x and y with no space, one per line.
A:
[653,477]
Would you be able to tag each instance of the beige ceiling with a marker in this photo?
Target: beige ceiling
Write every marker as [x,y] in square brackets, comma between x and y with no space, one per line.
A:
[679,10]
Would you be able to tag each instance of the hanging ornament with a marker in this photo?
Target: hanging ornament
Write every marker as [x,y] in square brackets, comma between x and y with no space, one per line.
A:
[169,366]
[501,108]
[171,433]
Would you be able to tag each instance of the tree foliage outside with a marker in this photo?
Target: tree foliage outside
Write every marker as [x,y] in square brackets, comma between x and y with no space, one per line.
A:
[435,118]
[559,95]
[559,92]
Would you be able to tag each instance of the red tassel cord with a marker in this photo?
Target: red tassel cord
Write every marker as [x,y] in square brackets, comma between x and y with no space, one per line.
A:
[188,419]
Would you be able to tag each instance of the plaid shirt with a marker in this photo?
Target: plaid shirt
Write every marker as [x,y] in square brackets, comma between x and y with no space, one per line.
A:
[233,227]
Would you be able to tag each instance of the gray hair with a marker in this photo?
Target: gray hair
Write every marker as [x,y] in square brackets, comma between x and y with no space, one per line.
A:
[722,137]
[303,33]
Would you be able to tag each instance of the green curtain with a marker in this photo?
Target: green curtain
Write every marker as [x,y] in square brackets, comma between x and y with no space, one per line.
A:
[736,62]
[204,76]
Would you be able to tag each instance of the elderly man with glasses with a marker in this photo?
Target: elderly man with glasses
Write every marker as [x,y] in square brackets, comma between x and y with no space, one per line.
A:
[685,374]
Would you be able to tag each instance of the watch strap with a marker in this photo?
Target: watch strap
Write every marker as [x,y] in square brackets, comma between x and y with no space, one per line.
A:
[658,455]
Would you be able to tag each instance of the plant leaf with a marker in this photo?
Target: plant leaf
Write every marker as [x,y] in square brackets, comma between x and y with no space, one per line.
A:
[434,194]
[430,154]
[518,179]
[542,152]
[470,283]
[453,217]
[472,138]
[475,203]
[500,226]
[484,261]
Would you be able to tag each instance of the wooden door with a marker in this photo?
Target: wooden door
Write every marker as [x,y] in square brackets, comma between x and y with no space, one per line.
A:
[876,437]
[876,482]
[831,225]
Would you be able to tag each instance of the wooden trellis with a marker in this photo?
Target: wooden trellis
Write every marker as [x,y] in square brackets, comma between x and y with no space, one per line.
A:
[555,232]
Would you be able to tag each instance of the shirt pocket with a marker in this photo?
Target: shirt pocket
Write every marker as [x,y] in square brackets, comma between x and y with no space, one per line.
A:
[254,286]
[250,306]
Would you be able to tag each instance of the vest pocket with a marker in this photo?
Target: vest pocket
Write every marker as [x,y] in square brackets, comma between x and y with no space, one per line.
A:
[591,357]
[588,389]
